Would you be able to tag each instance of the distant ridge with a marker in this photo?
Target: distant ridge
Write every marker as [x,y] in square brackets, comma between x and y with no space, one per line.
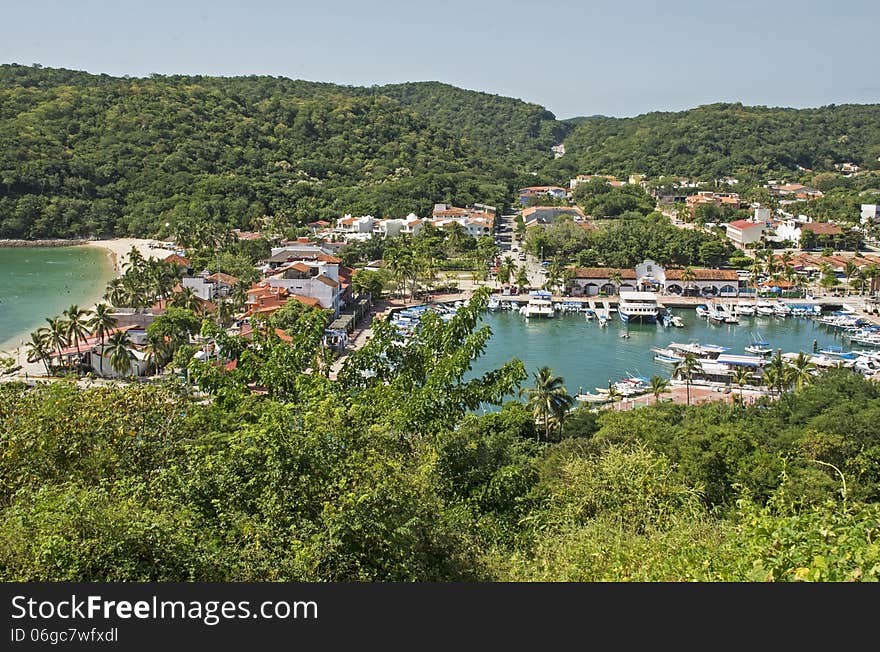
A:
[85,155]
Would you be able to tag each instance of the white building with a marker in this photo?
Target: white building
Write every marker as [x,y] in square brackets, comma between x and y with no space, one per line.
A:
[870,213]
[317,280]
[743,233]
[349,224]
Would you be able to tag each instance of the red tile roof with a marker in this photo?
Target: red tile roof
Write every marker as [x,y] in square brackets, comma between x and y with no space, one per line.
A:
[745,224]
[603,272]
[822,228]
[701,274]
[177,259]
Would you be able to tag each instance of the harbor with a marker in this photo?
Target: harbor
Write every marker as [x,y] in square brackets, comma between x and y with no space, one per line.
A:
[592,355]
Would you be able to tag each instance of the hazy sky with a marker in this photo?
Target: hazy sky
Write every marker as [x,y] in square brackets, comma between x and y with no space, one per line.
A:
[575,57]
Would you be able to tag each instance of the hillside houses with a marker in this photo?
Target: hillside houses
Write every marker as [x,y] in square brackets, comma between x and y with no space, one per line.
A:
[532,192]
[534,215]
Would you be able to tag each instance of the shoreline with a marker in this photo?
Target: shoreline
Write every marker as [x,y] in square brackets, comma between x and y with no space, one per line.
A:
[44,243]
[116,250]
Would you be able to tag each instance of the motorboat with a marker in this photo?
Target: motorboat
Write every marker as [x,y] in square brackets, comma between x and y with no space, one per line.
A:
[539,305]
[667,355]
[638,306]
[702,311]
[759,346]
[494,304]
[745,309]
[764,309]
[677,321]
[716,313]
[781,309]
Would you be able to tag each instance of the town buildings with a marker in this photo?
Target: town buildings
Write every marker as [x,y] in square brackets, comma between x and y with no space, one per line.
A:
[652,277]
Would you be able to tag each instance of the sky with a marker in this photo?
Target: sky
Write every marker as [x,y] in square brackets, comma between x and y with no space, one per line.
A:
[616,58]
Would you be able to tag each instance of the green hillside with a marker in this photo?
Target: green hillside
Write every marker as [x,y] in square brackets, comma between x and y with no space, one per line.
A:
[94,155]
[518,132]
[722,139]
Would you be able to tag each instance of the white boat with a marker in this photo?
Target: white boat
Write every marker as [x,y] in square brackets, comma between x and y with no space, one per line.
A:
[667,355]
[703,351]
[539,305]
[759,346]
[638,306]
[702,311]
[745,309]
[729,315]
[764,308]
[781,309]
[494,304]
[677,321]
[716,313]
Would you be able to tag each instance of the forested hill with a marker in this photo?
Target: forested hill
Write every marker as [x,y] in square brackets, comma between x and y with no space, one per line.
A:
[518,132]
[88,154]
[725,139]
[95,155]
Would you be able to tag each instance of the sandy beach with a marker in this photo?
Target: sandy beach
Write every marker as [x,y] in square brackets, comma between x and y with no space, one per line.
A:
[119,249]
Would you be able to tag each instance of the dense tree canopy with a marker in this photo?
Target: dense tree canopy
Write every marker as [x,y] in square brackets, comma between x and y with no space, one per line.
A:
[94,155]
[714,140]
[389,474]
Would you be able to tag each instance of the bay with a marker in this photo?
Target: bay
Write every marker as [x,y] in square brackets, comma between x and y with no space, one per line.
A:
[40,282]
[587,356]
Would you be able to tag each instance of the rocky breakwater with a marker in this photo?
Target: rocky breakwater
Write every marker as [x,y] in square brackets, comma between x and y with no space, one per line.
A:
[42,243]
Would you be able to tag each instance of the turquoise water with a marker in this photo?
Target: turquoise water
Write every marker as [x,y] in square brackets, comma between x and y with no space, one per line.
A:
[41,282]
[588,356]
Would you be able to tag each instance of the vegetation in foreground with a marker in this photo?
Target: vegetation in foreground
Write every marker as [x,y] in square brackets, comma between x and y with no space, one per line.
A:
[387,474]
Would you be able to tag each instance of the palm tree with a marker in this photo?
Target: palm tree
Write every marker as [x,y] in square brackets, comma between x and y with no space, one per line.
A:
[37,351]
[658,386]
[614,393]
[685,368]
[802,371]
[55,335]
[135,261]
[770,376]
[549,400]
[849,270]
[688,276]
[778,371]
[522,278]
[187,298]
[102,321]
[77,325]
[401,264]
[741,377]
[225,311]
[616,277]
[871,273]
[120,352]
[156,352]
[756,270]
[116,293]
[505,271]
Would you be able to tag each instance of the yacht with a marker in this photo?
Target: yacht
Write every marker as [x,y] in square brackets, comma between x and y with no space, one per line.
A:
[764,308]
[494,304]
[745,309]
[781,309]
[638,306]
[667,355]
[729,315]
[716,313]
[702,311]
[539,305]
[703,351]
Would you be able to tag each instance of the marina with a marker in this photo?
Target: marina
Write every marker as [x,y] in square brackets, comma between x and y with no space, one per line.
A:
[592,357]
